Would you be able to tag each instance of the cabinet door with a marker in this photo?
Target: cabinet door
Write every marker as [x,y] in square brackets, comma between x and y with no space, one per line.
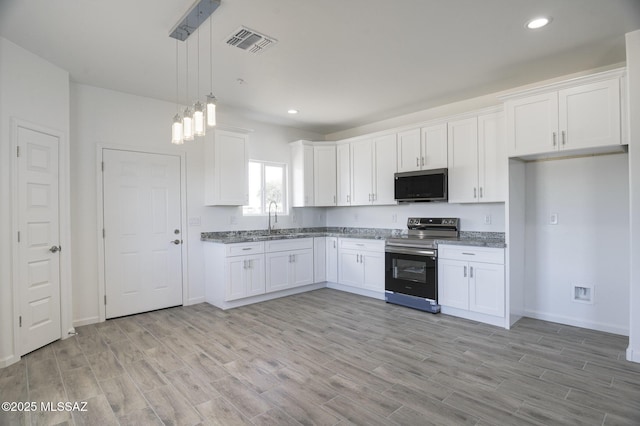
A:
[254,275]
[453,283]
[384,149]
[350,270]
[373,268]
[226,177]
[409,150]
[434,147]
[343,159]
[302,174]
[278,270]
[325,175]
[301,268]
[492,159]
[486,288]
[332,259]
[319,259]
[361,173]
[463,160]
[532,124]
[235,278]
[590,115]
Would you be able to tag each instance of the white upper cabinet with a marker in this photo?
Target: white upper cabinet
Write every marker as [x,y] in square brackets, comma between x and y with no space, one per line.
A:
[302,176]
[477,159]
[343,160]
[384,169]
[577,117]
[325,175]
[422,149]
[226,162]
[361,172]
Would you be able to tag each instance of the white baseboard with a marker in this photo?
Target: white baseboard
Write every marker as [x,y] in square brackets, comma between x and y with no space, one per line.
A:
[195,301]
[356,290]
[85,321]
[633,354]
[474,316]
[264,297]
[577,322]
[7,361]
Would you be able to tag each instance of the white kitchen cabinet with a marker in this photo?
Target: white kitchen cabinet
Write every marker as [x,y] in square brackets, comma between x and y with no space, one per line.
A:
[244,276]
[302,174]
[422,149]
[319,259]
[343,161]
[332,259]
[361,263]
[324,175]
[579,116]
[472,279]
[288,263]
[373,165]
[226,174]
[477,159]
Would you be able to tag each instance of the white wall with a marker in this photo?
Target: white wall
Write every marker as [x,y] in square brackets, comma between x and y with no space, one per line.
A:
[588,246]
[633,71]
[105,117]
[33,90]
[395,217]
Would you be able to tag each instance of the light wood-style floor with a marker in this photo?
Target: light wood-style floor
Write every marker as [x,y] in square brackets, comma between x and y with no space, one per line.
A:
[326,357]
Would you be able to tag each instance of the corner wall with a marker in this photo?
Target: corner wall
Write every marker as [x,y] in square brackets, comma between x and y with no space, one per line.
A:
[633,72]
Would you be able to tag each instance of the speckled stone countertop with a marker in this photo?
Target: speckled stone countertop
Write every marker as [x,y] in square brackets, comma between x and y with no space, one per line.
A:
[478,239]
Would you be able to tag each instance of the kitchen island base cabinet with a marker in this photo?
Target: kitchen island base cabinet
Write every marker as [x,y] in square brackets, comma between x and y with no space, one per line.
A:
[471,283]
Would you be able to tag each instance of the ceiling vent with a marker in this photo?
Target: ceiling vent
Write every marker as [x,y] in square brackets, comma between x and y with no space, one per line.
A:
[250,40]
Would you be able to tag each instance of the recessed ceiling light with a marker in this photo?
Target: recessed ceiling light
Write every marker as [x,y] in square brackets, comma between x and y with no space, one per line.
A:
[536,23]
[293,111]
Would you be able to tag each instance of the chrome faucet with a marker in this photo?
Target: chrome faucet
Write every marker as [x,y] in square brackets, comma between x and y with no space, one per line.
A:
[275,214]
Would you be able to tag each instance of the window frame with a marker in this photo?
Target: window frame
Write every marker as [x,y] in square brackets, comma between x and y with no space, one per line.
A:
[285,187]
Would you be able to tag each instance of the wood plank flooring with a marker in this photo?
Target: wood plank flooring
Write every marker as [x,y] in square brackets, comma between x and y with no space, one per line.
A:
[326,358]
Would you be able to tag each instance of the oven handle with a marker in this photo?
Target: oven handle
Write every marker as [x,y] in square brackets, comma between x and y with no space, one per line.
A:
[407,250]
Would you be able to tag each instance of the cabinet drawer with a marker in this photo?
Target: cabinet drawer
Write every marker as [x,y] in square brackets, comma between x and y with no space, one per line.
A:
[289,244]
[240,249]
[360,244]
[471,254]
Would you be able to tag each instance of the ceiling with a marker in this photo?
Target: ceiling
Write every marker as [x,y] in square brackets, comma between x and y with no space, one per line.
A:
[342,64]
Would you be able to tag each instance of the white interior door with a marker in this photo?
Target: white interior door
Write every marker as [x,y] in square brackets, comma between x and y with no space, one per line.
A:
[142,231]
[39,233]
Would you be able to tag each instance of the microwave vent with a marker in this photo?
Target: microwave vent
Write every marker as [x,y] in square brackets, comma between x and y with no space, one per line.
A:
[250,41]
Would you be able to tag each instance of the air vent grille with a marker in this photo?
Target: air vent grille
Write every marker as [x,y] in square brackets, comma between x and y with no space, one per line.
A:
[250,40]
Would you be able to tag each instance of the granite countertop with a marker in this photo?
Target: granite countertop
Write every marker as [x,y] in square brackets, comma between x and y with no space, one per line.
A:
[478,239]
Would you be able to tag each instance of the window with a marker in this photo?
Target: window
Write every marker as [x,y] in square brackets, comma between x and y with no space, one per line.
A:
[267,183]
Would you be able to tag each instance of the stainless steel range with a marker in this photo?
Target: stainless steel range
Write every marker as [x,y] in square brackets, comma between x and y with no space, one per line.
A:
[411,262]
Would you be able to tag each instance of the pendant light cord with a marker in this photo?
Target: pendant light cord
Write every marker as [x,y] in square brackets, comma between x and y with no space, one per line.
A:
[211,53]
[198,63]
[177,82]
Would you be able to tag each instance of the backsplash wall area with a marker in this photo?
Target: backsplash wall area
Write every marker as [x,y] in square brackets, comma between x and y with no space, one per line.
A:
[472,216]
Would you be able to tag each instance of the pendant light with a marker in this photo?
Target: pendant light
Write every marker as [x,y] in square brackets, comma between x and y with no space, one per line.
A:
[187,121]
[199,127]
[211,100]
[176,127]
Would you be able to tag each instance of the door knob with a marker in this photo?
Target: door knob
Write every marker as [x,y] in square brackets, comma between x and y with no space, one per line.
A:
[176,242]
[55,249]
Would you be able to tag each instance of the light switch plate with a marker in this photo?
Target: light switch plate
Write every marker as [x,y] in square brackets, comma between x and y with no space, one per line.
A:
[194,221]
[553,219]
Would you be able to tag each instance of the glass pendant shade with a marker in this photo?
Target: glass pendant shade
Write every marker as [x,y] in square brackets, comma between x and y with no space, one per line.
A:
[198,119]
[187,123]
[176,131]
[211,110]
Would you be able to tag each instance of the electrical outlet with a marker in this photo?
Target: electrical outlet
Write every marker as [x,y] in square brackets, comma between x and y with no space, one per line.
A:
[487,219]
[294,217]
[233,220]
[394,218]
[553,219]
[355,217]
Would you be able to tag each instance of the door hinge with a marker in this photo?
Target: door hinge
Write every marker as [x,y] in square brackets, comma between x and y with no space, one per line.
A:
[18,236]
[102,165]
[103,233]
[20,320]
[18,151]
[105,299]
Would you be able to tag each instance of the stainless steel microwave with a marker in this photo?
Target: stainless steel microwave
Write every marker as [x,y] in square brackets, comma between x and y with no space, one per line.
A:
[421,186]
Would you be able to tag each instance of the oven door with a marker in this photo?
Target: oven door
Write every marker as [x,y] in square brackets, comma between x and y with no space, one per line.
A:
[412,271]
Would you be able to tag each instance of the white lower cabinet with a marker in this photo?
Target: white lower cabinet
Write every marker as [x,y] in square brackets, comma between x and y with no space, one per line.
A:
[331,259]
[319,259]
[244,276]
[361,263]
[471,282]
[289,263]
